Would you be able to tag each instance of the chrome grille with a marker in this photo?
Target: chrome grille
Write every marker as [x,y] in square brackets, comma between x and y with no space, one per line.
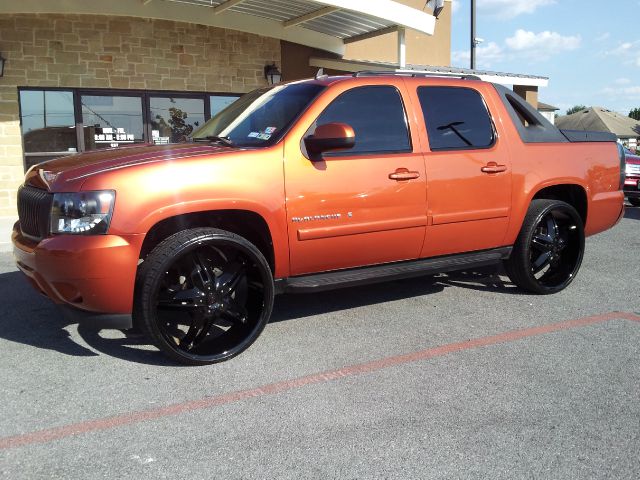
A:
[633,168]
[34,208]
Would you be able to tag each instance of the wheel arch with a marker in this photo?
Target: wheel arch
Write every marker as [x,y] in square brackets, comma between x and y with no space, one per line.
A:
[246,223]
[572,193]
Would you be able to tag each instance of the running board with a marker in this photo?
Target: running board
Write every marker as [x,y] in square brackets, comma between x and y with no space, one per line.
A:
[390,271]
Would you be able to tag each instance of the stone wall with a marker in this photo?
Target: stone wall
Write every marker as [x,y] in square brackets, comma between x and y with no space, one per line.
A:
[116,52]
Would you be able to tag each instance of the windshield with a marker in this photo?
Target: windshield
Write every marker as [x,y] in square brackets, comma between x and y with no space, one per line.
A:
[261,117]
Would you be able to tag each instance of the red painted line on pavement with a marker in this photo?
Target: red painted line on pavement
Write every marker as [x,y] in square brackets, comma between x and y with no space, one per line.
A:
[50,434]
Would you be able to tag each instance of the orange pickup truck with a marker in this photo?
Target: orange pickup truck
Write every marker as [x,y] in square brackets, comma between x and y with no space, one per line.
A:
[316,184]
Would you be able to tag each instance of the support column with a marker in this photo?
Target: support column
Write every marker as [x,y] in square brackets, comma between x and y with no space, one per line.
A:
[402,48]
[530,94]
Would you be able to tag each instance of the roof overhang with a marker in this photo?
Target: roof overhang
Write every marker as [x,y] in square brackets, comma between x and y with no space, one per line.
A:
[494,77]
[323,24]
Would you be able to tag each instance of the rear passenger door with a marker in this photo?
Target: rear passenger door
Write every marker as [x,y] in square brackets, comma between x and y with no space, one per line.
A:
[468,172]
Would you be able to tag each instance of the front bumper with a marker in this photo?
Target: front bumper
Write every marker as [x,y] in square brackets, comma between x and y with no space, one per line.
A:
[91,273]
[632,187]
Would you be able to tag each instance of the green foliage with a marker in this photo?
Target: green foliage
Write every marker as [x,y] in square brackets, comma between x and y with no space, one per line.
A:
[576,109]
[635,114]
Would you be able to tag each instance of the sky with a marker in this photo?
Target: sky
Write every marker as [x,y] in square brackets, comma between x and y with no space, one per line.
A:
[589,49]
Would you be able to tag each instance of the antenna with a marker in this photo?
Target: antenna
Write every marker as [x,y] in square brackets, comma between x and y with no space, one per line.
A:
[320,74]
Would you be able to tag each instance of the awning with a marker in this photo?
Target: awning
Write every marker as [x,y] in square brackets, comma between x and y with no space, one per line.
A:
[324,24]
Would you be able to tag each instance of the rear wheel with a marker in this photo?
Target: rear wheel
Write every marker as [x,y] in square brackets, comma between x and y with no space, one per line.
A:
[549,249]
[204,295]
[635,201]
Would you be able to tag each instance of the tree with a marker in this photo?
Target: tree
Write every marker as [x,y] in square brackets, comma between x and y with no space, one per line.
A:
[635,114]
[576,109]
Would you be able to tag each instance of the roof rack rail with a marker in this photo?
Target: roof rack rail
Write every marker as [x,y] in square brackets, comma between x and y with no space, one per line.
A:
[415,73]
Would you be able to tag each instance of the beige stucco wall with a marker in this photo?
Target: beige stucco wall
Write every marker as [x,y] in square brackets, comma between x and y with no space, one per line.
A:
[422,49]
[115,52]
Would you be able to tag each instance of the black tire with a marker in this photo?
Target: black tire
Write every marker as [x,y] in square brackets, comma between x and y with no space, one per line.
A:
[203,295]
[635,201]
[549,249]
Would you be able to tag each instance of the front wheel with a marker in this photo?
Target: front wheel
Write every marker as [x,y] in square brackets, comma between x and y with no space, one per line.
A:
[549,249]
[204,295]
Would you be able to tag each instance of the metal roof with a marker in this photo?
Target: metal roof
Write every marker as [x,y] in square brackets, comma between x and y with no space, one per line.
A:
[344,19]
[503,78]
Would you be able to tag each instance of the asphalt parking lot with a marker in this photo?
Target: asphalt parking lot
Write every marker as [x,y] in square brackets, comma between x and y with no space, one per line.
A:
[453,376]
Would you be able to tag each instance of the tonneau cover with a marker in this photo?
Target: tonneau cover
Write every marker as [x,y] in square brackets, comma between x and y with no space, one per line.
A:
[586,136]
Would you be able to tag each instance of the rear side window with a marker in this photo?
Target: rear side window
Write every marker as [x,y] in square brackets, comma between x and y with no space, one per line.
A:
[377,116]
[456,118]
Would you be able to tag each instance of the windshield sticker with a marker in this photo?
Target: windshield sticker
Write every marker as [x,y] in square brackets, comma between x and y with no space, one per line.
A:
[270,130]
[253,134]
[264,136]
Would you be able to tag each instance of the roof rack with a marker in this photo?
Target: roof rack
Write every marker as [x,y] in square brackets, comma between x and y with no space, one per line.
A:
[415,73]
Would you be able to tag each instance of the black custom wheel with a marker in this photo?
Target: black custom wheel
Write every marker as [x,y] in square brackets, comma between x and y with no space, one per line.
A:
[549,249]
[204,295]
[635,201]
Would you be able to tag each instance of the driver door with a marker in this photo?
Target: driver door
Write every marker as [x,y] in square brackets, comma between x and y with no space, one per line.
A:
[362,206]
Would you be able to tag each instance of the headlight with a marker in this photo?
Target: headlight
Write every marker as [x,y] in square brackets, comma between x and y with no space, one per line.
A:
[82,213]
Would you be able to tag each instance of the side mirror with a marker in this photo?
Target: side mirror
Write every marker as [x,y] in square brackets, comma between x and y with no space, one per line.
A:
[330,137]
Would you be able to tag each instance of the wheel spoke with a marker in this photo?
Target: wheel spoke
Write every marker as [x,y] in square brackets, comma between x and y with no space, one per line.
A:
[562,243]
[235,312]
[202,275]
[542,242]
[202,334]
[198,324]
[183,300]
[552,227]
[541,262]
[228,281]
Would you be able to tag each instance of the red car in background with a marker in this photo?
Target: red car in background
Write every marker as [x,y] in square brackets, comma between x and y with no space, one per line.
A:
[632,179]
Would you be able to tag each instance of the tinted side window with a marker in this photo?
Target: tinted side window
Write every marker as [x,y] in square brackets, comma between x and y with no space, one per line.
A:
[377,116]
[456,118]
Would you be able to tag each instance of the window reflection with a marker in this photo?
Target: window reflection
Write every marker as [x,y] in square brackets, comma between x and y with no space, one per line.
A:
[456,118]
[47,119]
[111,121]
[174,119]
[220,102]
[377,116]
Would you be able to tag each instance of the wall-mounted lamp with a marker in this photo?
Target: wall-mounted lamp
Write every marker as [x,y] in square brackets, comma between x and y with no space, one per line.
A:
[437,6]
[272,74]
[2,60]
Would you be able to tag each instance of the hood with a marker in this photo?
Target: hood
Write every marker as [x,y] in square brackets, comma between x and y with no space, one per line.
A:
[79,166]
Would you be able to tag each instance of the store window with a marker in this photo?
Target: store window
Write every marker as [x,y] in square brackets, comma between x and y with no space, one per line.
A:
[220,102]
[173,119]
[111,121]
[58,122]
[48,124]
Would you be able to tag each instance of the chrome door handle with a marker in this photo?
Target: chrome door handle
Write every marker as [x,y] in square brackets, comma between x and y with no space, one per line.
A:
[493,167]
[403,174]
